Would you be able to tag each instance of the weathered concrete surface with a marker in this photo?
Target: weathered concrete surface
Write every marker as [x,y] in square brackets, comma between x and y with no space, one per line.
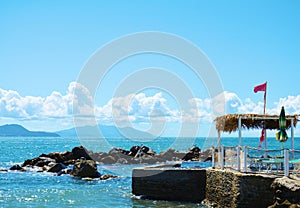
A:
[286,192]
[226,188]
[169,184]
[218,188]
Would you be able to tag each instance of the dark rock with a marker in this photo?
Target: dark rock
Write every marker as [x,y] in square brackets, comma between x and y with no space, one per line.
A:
[57,167]
[139,151]
[28,162]
[134,150]
[43,161]
[107,176]
[17,167]
[108,160]
[118,151]
[64,171]
[85,168]
[195,149]
[44,155]
[79,152]
[193,154]
[62,157]
[189,156]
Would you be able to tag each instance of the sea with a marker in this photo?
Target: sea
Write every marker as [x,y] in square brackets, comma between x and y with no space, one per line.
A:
[35,189]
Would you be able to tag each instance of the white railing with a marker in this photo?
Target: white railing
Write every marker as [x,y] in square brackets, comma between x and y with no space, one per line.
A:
[247,159]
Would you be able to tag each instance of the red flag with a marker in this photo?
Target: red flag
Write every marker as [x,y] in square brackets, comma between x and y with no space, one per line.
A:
[261,87]
[262,137]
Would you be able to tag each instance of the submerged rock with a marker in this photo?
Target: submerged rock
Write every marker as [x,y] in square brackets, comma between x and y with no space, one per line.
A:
[107,176]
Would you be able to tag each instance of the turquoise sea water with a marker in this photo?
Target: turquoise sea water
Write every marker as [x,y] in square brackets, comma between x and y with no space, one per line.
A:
[32,189]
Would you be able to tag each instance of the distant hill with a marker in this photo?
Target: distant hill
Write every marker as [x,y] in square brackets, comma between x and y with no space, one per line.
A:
[106,131]
[15,130]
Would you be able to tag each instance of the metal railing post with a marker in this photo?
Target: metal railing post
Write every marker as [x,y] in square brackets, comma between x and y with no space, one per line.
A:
[238,161]
[222,157]
[245,159]
[213,157]
[286,162]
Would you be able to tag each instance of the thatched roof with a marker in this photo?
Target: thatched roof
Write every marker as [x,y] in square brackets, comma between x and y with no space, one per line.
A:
[229,122]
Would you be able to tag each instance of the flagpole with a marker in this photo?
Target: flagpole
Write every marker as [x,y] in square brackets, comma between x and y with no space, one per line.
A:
[265,133]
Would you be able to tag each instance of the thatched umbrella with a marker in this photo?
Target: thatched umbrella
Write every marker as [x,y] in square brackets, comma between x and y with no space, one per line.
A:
[230,123]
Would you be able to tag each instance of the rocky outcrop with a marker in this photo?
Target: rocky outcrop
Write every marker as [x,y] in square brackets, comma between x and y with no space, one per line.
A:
[85,169]
[58,162]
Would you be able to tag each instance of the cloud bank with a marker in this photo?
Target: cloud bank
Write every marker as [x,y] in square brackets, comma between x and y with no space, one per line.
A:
[135,108]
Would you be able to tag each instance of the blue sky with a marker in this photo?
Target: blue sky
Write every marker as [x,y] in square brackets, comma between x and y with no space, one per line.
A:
[45,44]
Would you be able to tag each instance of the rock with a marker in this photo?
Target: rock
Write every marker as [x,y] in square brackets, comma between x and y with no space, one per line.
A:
[43,161]
[62,157]
[38,161]
[134,150]
[107,176]
[57,167]
[169,155]
[79,152]
[205,155]
[139,151]
[193,154]
[17,167]
[108,160]
[195,149]
[64,171]
[189,156]
[85,168]
[123,151]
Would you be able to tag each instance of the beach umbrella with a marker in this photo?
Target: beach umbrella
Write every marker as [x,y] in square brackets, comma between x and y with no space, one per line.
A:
[281,135]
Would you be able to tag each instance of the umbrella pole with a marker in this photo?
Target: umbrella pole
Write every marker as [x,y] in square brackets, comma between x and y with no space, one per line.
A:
[292,135]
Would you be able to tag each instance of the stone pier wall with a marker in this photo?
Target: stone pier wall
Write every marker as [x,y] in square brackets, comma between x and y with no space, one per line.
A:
[233,189]
[169,184]
[218,188]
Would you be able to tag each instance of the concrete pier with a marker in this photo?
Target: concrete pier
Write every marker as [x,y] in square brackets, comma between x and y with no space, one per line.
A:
[169,184]
[219,188]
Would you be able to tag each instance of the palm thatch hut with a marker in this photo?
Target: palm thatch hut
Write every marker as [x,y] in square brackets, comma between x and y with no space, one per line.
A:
[234,122]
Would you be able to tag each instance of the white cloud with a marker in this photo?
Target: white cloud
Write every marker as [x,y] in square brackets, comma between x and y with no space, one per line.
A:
[134,108]
[55,105]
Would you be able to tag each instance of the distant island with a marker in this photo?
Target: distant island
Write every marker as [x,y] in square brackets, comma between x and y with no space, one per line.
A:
[106,131]
[15,130]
